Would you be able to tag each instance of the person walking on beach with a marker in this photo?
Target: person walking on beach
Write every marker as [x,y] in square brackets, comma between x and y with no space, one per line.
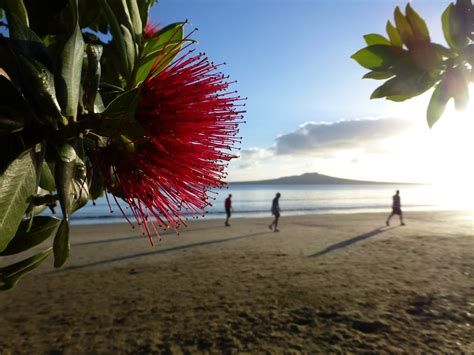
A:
[276,213]
[228,209]
[396,208]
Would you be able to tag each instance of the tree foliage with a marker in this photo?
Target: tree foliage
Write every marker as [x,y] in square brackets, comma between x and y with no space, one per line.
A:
[411,63]
[71,72]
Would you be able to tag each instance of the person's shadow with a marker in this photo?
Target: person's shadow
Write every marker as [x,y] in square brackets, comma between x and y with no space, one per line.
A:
[348,242]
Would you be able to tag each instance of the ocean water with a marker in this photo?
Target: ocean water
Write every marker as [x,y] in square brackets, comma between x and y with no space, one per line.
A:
[255,201]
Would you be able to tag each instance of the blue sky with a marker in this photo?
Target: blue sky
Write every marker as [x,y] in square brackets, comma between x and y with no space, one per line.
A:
[292,60]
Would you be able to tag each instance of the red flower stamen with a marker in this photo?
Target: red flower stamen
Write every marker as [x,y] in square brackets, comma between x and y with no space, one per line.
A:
[191,122]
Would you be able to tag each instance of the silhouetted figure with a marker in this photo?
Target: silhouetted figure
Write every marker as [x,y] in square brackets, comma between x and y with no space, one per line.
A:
[275,212]
[396,208]
[228,209]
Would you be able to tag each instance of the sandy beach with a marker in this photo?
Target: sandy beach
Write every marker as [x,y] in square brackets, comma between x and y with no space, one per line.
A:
[325,283]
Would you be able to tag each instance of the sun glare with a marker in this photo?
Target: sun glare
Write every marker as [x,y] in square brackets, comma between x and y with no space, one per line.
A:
[452,149]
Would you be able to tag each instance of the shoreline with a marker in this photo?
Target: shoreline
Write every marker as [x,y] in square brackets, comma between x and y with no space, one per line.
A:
[118,218]
[325,283]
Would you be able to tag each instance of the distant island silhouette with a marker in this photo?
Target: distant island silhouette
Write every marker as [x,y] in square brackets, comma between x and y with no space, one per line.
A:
[315,178]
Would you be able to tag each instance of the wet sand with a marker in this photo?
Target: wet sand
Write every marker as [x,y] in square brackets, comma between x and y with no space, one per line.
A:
[325,283]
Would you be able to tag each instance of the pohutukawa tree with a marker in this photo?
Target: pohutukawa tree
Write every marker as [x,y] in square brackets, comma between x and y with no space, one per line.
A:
[95,99]
[412,64]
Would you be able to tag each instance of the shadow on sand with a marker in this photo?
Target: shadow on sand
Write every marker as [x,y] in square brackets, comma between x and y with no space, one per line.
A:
[348,242]
[161,251]
[163,234]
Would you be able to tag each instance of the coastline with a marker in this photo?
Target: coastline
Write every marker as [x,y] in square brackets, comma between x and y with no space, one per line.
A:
[325,283]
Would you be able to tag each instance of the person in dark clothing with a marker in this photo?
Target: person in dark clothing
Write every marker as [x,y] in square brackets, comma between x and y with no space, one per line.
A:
[228,209]
[276,213]
[396,208]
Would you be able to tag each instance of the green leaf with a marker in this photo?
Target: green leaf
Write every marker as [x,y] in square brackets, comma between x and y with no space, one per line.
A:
[99,106]
[135,18]
[437,105]
[96,189]
[117,36]
[144,8]
[63,174]
[446,22]
[61,245]
[92,78]
[16,8]
[404,29]
[70,177]
[161,49]
[393,34]
[373,39]
[26,237]
[401,88]
[8,125]
[171,34]
[47,178]
[378,75]
[72,57]
[126,102]
[11,274]
[130,47]
[378,57]
[17,185]
[27,42]
[39,83]
[418,25]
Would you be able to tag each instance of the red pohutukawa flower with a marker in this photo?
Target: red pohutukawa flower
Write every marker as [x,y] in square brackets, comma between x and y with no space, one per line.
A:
[150,30]
[191,121]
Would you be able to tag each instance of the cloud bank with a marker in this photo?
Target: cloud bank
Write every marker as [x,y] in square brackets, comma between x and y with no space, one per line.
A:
[321,137]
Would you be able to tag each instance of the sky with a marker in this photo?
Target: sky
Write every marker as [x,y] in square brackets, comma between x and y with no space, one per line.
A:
[308,109]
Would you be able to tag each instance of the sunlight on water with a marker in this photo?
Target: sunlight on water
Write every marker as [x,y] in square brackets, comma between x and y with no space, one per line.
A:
[255,200]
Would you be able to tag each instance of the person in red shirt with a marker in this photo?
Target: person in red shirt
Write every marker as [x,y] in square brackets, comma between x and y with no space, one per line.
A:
[228,209]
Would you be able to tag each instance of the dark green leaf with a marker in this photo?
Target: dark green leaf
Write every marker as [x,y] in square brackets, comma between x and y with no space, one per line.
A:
[373,39]
[41,229]
[126,102]
[61,245]
[418,25]
[446,22]
[17,185]
[144,8]
[71,65]
[117,36]
[401,88]
[39,82]
[378,57]
[130,46]
[92,78]
[135,18]
[9,275]
[393,34]
[16,8]
[8,125]
[378,75]
[27,42]
[47,178]
[64,173]
[404,29]
[70,177]
[99,106]
[96,189]
[437,104]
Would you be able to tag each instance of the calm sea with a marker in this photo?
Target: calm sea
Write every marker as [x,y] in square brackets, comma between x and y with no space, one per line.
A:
[255,201]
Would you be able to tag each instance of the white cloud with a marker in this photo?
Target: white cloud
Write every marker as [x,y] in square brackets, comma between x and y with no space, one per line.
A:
[328,138]
[385,149]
